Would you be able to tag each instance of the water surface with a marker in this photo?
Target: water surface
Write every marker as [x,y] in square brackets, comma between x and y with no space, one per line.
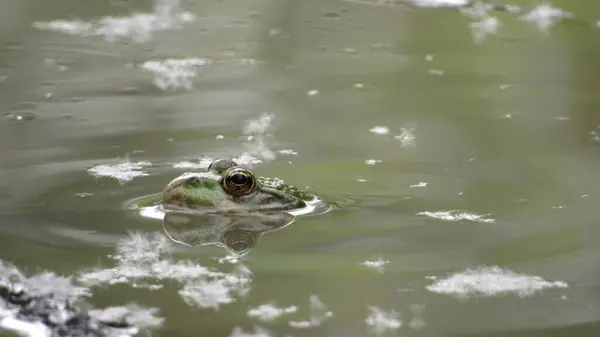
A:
[470,211]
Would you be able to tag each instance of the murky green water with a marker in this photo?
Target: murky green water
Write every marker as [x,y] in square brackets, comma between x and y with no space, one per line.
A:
[500,135]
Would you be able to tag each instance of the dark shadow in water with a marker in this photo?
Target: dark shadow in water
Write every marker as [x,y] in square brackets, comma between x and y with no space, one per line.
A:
[237,233]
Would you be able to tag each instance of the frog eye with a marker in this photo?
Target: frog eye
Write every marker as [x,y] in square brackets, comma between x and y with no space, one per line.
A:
[238,182]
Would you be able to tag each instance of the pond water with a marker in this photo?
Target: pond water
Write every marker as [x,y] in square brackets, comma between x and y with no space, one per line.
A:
[461,147]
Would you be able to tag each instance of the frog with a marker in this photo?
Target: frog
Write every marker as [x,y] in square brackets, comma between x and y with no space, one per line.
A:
[227,187]
[228,206]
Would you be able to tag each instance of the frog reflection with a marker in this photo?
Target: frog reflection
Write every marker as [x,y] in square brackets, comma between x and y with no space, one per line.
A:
[237,233]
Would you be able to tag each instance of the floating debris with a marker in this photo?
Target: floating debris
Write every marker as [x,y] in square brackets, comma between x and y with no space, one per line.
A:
[312,92]
[372,162]
[455,215]
[202,163]
[436,72]
[491,281]
[377,265]
[380,130]
[257,131]
[484,27]
[439,3]
[407,136]
[288,152]
[319,314]
[138,27]
[143,261]
[173,74]
[544,16]
[258,332]
[269,312]
[380,321]
[213,293]
[124,172]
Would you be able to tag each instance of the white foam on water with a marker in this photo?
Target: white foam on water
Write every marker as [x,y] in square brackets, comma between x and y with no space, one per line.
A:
[143,261]
[454,215]
[173,74]
[138,27]
[203,163]
[419,184]
[135,314]
[372,162]
[485,26]
[544,16]
[407,135]
[203,293]
[491,281]
[269,312]
[381,321]
[123,172]
[380,130]
[258,332]
[377,265]
[439,3]
[287,152]
[257,150]
[260,125]
[319,313]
